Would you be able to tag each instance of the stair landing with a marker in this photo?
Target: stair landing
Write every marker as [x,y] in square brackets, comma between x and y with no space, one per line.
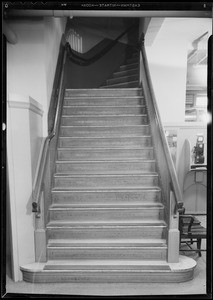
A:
[119,271]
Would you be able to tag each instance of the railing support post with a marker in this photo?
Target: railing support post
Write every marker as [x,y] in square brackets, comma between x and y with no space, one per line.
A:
[40,234]
[173,234]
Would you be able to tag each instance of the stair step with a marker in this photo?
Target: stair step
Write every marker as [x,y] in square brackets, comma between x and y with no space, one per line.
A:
[106,197]
[107,252]
[123,79]
[104,110]
[103,243]
[104,154]
[128,67]
[126,73]
[101,92]
[105,213]
[112,120]
[157,273]
[103,100]
[115,205]
[123,85]
[119,142]
[105,167]
[104,131]
[106,230]
[105,181]
[133,60]
[109,264]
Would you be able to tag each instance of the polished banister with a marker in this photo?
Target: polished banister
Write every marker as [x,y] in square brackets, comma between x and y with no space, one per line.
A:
[174,185]
[40,175]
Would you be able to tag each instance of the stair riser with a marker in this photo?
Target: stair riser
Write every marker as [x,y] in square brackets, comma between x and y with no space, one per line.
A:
[122,79]
[81,131]
[105,168]
[105,154]
[107,110]
[128,67]
[108,233]
[106,198]
[104,121]
[105,182]
[102,92]
[105,143]
[105,214]
[108,276]
[132,84]
[103,101]
[126,73]
[106,253]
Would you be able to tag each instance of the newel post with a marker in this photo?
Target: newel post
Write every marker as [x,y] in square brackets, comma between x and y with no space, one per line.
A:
[174,234]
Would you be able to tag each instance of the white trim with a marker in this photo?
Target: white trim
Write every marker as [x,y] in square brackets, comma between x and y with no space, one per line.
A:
[182,125]
[25,102]
[12,199]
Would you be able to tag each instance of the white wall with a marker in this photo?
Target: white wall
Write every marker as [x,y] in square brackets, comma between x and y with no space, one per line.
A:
[25,63]
[24,138]
[168,69]
[32,61]
[167,58]
[31,65]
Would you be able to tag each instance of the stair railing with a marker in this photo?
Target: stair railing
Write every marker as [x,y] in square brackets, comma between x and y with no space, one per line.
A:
[171,193]
[39,181]
[91,56]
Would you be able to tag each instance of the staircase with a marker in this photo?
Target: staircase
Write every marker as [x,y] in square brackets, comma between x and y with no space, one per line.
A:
[106,219]
[127,76]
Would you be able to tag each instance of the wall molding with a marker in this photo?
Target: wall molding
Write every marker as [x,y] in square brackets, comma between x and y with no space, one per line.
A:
[186,125]
[25,102]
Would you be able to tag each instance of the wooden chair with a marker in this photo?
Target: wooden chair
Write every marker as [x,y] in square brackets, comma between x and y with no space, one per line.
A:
[191,231]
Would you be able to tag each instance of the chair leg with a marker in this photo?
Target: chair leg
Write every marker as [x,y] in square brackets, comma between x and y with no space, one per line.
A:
[199,246]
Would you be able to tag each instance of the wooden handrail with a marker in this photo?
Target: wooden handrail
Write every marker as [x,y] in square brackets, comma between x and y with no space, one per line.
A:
[174,185]
[40,175]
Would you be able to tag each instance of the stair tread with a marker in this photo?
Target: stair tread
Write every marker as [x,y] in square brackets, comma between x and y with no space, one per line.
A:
[98,89]
[108,116]
[104,223]
[120,137]
[109,242]
[108,207]
[132,70]
[104,126]
[103,106]
[104,175]
[130,64]
[122,77]
[120,84]
[102,96]
[129,189]
[105,161]
[130,206]
[103,149]
[109,262]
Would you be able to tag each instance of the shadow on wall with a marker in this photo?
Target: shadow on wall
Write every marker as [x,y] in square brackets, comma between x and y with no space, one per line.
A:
[95,75]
